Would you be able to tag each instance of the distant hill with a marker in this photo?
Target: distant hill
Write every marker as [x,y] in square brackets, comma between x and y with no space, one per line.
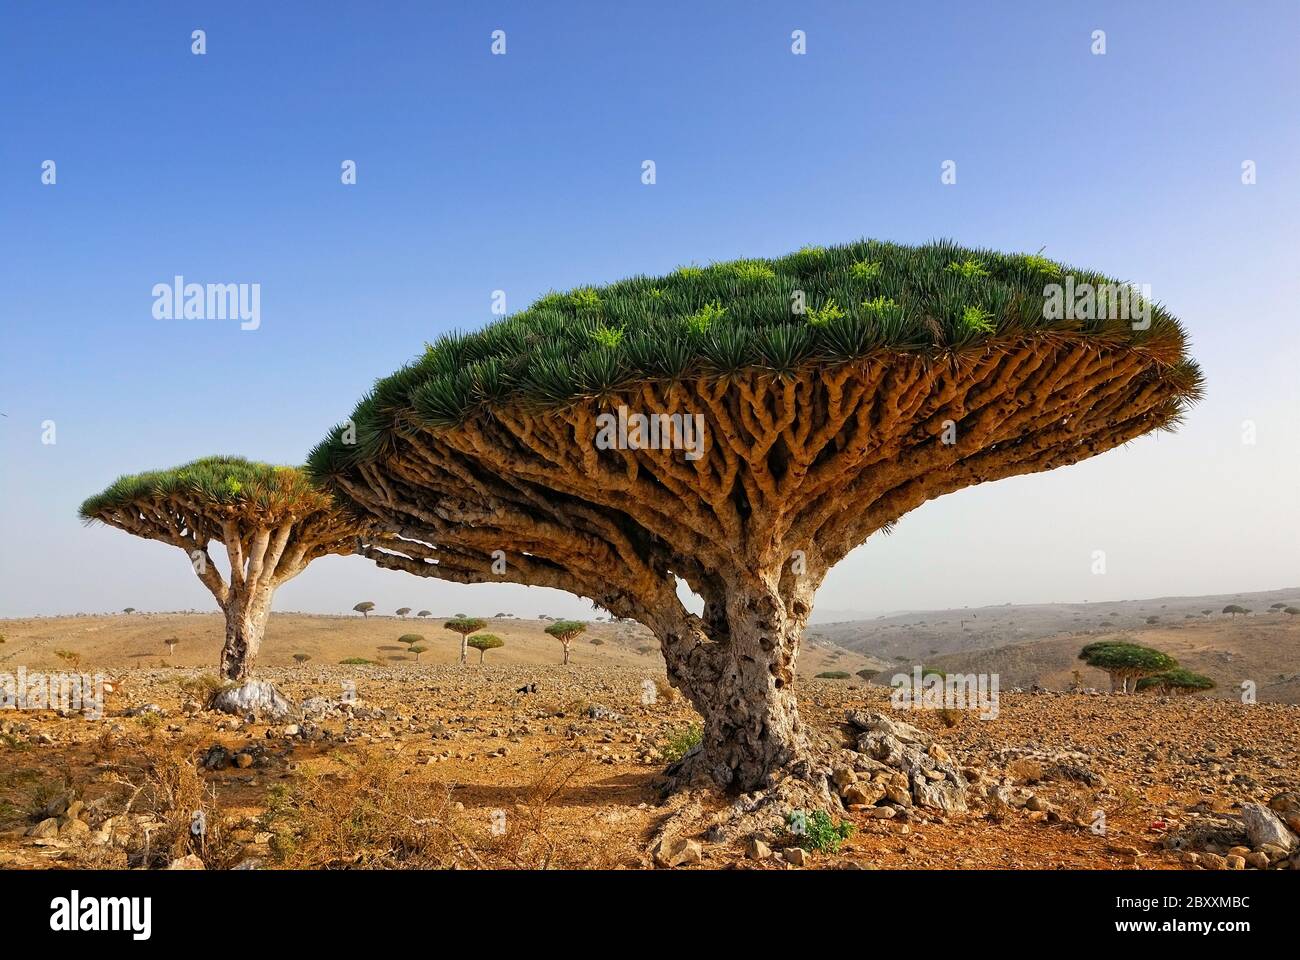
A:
[1039,643]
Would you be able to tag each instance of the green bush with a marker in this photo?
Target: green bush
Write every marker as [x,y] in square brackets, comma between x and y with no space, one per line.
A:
[833,675]
[681,742]
[355,662]
[821,834]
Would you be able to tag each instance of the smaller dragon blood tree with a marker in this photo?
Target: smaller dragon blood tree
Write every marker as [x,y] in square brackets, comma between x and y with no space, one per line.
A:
[271,520]
[566,631]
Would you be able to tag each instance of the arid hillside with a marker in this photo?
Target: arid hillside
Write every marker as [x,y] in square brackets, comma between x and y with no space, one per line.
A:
[1039,644]
[114,642]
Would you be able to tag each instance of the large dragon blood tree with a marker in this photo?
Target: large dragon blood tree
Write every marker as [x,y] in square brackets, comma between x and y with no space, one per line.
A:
[271,520]
[817,399]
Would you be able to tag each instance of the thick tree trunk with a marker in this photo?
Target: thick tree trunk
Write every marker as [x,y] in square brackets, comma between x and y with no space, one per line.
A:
[740,677]
[246,616]
[566,644]
[464,649]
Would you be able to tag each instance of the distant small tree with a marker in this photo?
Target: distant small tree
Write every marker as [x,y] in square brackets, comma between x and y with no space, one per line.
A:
[1234,609]
[597,642]
[170,643]
[69,657]
[1177,680]
[301,657]
[464,626]
[1276,606]
[1291,611]
[484,642]
[1125,662]
[425,613]
[417,649]
[410,639]
[364,608]
[565,631]
[403,611]
[128,609]
[1206,613]
[868,674]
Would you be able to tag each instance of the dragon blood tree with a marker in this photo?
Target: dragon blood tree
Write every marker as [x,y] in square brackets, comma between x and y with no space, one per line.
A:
[270,519]
[740,428]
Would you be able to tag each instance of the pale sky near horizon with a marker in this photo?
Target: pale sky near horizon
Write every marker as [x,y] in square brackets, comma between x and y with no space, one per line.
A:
[523,173]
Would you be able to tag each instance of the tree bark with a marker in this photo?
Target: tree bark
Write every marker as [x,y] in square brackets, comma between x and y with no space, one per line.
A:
[738,671]
[246,616]
[464,649]
[566,644]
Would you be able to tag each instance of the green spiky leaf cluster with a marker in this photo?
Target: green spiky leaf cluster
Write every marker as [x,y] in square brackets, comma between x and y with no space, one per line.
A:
[464,625]
[1179,679]
[485,641]
[1113,655]
[817,305]
[566,629]
[230,482]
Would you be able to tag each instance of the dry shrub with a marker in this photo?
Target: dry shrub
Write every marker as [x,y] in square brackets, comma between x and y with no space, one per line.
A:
[165,782]
[205,687]
[373,815]
[1124,802]
[533,837]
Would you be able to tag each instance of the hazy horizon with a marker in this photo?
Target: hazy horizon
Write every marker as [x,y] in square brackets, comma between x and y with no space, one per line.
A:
[522,173]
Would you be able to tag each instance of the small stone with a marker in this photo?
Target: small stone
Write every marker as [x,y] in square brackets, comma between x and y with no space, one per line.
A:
[882,813]
[46,828]
[291,730]
[1038,803]
[843,776]
[1235,862]
[679,852]
[863,794]
[243,761]
[795,855]
[1258,860]
[191,862]
[756,849]
[899,796]
[1264,826]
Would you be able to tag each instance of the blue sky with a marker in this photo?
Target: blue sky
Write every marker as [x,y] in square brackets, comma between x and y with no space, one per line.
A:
[523,173]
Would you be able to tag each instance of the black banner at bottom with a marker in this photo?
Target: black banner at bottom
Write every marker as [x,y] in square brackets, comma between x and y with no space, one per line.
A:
[145,908]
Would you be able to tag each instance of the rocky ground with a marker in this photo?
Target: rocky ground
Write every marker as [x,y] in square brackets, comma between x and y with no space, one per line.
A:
[439,765]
